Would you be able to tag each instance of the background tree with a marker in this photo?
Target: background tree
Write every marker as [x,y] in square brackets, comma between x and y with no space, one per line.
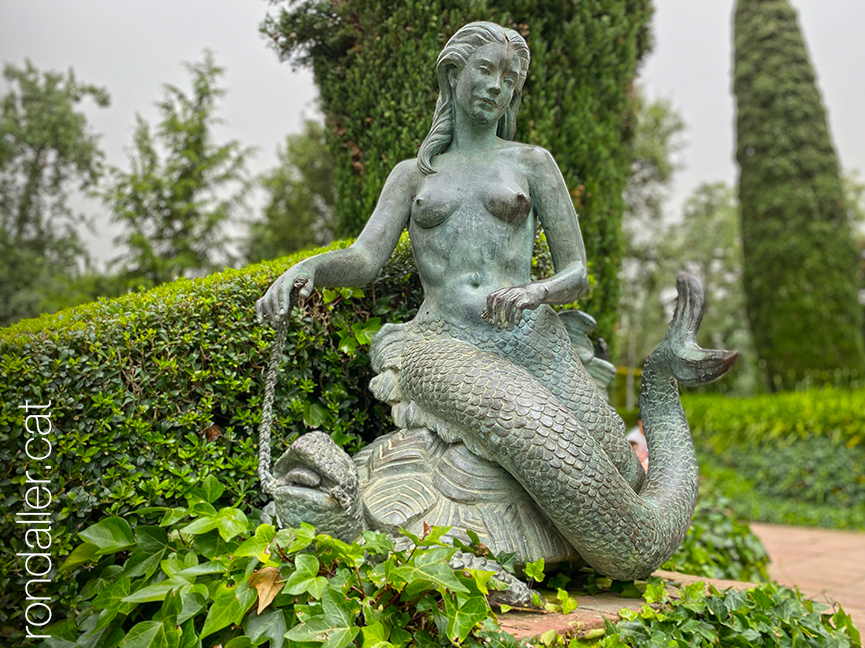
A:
[645,267]
[374,65]
[800,261]
[299,211]
[181,188]
[47,151]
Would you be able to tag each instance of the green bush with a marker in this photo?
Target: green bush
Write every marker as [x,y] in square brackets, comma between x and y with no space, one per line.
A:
[152,391]
[196,576]
[719,544]
[718,423]
[792,458]
[747,501]
[374,65]
[768,615]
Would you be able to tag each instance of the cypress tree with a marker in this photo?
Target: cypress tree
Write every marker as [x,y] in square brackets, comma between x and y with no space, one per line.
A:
[800,272]
[374,64]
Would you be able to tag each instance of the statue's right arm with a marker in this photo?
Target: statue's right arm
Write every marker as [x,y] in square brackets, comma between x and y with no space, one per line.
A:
[357,265]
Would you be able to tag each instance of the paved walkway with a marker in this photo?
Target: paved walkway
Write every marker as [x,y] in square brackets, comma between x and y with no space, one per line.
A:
[825,564]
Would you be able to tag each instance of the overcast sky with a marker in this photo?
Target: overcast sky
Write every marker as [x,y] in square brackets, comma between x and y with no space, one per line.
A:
[134,47]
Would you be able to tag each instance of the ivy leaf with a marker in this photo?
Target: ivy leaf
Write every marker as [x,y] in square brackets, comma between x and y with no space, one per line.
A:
[335,627]
[155,592]
[152,543]
[303,537]
[109,535]
[377,543]
[229,606]
[257,545]
[420,576]
[268,584]
[267,626]
[83,553]
[305,578]
[229,522]
[191,604]
[111,601]
[568,603]
[314,414]
[152,634]
[535,569]
[462,618]
[365,332]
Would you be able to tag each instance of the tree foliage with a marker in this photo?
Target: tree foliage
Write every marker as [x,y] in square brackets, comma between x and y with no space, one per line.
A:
[800,261]
[47,150]
[374,64]
[182,187]
[299,211]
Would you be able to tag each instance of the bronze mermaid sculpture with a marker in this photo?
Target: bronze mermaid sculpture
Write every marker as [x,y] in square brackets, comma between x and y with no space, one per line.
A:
[501,430]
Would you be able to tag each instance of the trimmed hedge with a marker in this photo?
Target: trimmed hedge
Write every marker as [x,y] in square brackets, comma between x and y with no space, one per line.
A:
[152,391]
[791,458]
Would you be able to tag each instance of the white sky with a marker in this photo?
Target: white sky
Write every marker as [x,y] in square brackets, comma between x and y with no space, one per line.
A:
[132,47]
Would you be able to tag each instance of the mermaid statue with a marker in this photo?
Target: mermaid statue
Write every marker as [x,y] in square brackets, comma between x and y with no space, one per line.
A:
[501,429]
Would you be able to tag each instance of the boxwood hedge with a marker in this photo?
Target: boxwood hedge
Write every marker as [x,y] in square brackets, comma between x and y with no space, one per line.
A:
[152,391]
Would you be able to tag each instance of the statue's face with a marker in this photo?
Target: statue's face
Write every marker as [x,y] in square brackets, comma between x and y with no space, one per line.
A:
[485,86]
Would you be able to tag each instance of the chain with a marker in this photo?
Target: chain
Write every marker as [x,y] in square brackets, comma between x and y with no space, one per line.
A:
[268,483]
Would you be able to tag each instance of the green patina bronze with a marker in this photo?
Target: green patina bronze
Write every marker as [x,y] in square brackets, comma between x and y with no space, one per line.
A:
[502,429]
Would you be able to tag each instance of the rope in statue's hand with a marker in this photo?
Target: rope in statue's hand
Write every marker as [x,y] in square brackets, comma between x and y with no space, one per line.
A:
[280,324]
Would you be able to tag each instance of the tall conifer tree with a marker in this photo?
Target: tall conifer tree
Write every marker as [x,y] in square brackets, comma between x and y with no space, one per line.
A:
[374,63]
[800,260]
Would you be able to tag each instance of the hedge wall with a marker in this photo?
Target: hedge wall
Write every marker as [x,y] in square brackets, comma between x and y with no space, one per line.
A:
[152,391]
[791,458]
[374,64]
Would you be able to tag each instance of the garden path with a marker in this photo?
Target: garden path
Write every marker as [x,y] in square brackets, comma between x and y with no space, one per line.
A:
[824,563]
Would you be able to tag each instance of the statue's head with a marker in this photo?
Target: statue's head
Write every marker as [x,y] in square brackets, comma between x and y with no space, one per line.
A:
[451,62]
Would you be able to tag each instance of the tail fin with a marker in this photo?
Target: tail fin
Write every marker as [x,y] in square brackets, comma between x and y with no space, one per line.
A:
[690,364]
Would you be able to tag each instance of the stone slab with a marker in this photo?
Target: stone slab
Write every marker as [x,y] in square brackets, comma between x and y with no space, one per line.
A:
[592,611]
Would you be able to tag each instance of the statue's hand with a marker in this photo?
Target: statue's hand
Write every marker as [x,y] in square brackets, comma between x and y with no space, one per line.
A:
[505,306]
[295,283]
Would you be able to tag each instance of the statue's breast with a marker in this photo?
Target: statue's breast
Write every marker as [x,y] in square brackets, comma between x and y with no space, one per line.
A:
[495,190]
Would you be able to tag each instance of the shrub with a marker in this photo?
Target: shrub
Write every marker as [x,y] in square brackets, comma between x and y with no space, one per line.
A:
[768,615]
[374,65]
[152,391]
[196,576]
[719,544]
[793,458]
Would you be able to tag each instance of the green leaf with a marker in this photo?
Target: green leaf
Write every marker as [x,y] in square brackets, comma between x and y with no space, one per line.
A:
[109,535]
[213,490]
[305,578]
[535,570]
[335,627]
[151,634]
[229,606]
[81,555]
[314,414]
[568,603]
[462,618]
[152,543]
[365,332]
[156,592]
[432,575]
[270,625]
[257,544]
[111,601]
[303,537]
[191,604]
[229,522]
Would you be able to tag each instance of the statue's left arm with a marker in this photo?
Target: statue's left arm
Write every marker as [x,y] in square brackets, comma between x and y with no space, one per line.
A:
[553,206]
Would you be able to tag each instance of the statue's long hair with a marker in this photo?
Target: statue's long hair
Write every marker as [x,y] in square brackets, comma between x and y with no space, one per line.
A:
[456,54]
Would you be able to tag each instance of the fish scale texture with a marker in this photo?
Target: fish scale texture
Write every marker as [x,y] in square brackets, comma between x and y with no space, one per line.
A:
[541,346]
[536,438]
